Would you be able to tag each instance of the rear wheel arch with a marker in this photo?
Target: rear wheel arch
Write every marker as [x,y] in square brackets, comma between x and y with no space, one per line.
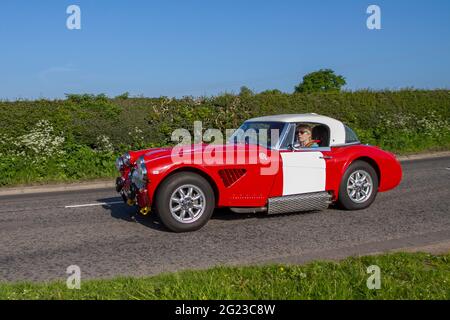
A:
[367,159]
[371,162]
[368,173]
[344,168]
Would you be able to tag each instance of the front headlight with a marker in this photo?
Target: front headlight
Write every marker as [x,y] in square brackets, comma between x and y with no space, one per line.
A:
[141,169]
[139,175]
[127,159]
[119,163]
[136,180]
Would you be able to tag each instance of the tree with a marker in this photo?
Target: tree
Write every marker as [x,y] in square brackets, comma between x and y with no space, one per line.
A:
[324,80]
[123,96]
[245,92]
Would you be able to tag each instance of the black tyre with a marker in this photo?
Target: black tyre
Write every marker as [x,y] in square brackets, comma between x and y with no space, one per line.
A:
[359,186]
[184,202]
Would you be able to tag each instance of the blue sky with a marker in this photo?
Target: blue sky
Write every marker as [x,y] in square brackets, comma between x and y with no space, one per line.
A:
[205,47]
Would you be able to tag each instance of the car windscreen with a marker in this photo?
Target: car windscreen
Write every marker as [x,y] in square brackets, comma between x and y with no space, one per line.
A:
[266,134]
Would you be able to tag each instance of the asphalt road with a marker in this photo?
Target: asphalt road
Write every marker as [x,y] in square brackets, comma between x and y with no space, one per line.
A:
[40,237]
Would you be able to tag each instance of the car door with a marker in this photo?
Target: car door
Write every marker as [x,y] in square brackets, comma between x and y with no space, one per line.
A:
[304,171]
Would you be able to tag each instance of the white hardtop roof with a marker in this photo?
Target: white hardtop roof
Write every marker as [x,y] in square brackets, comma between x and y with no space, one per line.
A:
[337,129]
[303,117]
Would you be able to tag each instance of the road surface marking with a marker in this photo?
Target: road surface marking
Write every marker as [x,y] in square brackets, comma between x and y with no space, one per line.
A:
[93,204]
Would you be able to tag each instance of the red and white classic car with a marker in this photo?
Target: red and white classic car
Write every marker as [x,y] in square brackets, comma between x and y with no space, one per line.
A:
[263,167]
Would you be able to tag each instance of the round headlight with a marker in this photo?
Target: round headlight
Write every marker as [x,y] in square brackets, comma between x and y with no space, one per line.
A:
[119,163]
[136,179]
[141,168]
[127,158]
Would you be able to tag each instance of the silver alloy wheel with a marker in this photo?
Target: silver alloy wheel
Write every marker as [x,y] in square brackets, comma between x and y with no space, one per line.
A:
[187,203]
[359,186]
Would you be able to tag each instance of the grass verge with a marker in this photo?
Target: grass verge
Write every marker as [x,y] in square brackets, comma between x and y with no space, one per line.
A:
[403,276]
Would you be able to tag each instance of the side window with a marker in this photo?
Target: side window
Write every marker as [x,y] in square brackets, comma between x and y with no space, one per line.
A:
[350,136]
[318,136]
[321,134]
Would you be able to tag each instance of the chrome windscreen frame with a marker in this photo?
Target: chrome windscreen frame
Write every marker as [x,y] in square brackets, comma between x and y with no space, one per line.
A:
[282,138]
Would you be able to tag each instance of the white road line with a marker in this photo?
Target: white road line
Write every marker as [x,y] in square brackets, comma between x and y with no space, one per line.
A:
[93,204]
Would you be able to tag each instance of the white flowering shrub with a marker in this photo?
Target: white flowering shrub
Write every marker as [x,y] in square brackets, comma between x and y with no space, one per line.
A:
[137,136]
[41,142]
[103,143]
[432,125]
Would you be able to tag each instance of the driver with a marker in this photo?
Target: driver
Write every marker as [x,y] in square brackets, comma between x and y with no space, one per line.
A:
[304,136]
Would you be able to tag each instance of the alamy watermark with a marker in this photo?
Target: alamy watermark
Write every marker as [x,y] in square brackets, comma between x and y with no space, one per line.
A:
[73,22]
[238,147]
[374,20]
[74,279]
[374,280]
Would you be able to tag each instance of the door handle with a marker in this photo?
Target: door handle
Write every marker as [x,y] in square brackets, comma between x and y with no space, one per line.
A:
[326,157]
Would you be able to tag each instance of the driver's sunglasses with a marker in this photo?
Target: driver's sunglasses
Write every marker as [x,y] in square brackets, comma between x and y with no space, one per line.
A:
[302,132]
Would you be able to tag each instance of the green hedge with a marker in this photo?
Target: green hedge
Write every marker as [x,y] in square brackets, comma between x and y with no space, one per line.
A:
[79,137]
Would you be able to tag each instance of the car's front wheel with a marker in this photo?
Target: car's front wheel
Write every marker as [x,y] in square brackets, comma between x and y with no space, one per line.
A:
[359,186]
[185,202]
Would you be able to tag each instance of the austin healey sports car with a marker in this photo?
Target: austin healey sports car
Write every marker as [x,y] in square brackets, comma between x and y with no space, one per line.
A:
[265,166]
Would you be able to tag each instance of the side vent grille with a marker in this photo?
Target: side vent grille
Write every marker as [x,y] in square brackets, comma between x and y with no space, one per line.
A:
[230,176]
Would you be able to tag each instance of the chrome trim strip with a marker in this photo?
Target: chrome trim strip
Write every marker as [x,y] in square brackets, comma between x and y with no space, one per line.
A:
[314,149]
[347,144]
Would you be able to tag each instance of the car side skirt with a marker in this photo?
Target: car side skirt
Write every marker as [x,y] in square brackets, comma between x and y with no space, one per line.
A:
[299,202]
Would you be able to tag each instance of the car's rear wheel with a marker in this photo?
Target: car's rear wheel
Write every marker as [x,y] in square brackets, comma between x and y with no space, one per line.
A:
[185,202]
[359,186]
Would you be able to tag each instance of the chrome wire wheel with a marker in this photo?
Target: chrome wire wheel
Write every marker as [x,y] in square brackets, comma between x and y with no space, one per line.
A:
[359,186]
[187,203]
